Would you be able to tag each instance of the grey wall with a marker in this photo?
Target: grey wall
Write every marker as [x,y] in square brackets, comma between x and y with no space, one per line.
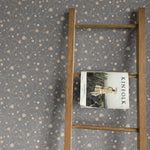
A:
[33,56]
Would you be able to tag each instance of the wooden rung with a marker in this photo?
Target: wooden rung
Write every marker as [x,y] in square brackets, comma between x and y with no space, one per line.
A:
[94,26]
[130,75]
[91,127]
[77,75]
[133,75]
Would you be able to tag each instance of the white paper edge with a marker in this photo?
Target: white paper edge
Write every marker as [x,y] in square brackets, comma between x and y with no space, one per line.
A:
[83,88]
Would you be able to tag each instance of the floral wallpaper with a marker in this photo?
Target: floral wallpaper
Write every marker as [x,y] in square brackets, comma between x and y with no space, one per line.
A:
[33,64]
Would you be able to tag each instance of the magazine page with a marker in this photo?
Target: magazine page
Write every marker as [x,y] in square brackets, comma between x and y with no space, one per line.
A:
[104,90]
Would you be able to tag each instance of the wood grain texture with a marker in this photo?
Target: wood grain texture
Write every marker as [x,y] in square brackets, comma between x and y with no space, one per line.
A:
[91,127]
[130,75]
[70,77]
[94,26]
[142,143]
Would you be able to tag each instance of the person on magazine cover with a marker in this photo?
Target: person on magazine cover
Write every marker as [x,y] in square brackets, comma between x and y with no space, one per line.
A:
[98,90]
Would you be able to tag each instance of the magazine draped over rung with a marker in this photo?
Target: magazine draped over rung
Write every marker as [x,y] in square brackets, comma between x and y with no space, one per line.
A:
[104,90]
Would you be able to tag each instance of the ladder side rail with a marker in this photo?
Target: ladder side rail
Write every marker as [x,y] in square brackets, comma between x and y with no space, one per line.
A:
[70,78]
[141,84]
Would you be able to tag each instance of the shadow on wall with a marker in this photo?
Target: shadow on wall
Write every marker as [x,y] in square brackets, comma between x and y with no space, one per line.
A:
[58,109]
[130,47]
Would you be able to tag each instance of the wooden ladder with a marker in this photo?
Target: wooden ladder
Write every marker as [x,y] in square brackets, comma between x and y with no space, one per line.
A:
[141,85]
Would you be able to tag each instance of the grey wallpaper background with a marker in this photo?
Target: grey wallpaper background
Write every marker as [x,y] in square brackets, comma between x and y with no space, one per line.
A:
[33,64]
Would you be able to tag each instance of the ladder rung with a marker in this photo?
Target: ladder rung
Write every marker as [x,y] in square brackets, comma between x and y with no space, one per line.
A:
[130,75]
[91,127]
[94,26]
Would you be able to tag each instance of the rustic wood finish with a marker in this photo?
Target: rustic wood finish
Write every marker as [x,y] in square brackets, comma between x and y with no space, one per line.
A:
[91,127]
[142,144]
[141,83]
[70,78]
[95,26]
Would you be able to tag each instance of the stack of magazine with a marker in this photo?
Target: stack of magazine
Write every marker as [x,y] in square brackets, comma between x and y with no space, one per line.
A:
[104,90]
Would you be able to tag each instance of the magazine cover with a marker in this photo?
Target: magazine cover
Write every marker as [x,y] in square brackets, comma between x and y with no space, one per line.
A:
[104,90]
